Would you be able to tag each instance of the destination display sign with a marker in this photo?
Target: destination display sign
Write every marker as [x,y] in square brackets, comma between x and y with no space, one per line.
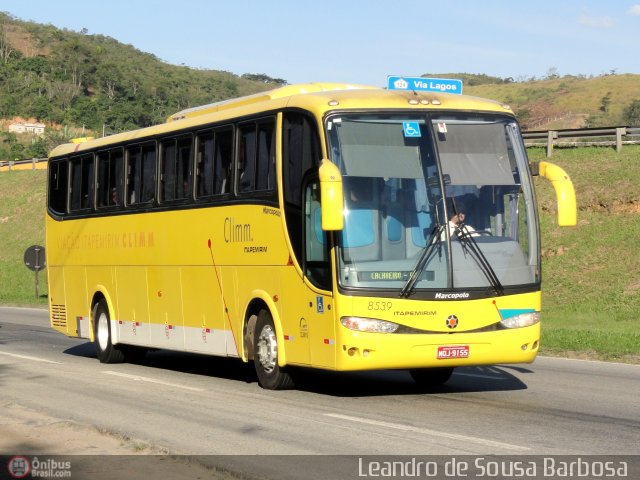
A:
[424,84]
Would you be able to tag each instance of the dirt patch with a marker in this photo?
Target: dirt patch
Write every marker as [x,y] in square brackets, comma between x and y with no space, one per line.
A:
[28,432]
[20,39]
[32,434]
[615,207]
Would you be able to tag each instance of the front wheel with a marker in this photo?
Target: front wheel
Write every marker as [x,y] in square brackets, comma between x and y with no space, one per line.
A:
[431,377]
[106,351]
[265,355]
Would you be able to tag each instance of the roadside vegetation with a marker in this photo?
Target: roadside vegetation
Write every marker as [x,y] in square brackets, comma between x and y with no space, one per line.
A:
[22,200]
[77,79]
[591,273]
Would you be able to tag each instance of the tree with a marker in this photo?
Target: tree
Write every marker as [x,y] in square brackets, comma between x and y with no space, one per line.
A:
[264,78]
[605,102]
[552,73]
[6,50]
[631,114]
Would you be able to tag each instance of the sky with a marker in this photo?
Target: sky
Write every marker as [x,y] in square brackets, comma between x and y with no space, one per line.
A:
[363,41]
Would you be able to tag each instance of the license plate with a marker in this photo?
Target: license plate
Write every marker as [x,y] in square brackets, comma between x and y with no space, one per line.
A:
[453,351]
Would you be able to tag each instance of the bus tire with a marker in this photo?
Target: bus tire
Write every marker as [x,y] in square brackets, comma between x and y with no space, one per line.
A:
[105,350]
[431,377]
[265,355]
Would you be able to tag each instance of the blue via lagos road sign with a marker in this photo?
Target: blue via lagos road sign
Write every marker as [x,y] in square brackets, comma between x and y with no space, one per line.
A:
[424,84]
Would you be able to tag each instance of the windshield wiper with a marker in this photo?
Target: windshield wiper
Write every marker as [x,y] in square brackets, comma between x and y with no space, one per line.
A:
[434,239]
[469,245]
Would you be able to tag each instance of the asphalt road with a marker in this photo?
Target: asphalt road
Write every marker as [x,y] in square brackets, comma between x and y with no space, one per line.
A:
[198,405]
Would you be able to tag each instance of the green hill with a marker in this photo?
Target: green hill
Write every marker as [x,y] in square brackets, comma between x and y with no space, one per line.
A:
[565,102]
[554,102]
[93,81]
[591,273]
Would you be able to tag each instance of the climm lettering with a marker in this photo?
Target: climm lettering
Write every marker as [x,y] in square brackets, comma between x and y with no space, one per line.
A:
[235,232]
[107,241]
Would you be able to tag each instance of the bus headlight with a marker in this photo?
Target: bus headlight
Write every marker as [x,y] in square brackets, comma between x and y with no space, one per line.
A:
[522,320]
[372,325]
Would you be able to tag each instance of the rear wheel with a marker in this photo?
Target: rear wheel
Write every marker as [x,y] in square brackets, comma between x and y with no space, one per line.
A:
[431,377]
[106,351]
[265,355]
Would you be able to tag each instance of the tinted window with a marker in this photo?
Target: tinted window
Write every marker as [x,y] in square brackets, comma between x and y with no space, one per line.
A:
[256,157]
[247,158]
[214,158]
[141,174]
[266,157]
[175,164]
[58,186]
[82,182]
[110,178]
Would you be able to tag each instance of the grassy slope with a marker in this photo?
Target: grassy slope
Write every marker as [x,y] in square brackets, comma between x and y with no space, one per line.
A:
[22,195]
[591,285]
[591,273]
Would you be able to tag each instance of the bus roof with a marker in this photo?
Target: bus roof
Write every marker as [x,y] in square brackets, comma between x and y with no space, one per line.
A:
[315,97]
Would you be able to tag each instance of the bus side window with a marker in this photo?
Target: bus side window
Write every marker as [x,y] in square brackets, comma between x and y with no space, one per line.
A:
[109,183]
[266,157]
[175,169]
[223,161]
[214,160]
[82,183]
[58,186]
[168,170]
[148,174]
[204,165]
[134,175]
[247,158]
[256,157]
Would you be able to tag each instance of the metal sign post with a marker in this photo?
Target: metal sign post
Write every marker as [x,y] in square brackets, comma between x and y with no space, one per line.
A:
[34,259]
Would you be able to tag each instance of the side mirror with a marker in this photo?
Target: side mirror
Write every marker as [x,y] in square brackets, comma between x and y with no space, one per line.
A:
[565,194]
[331,199]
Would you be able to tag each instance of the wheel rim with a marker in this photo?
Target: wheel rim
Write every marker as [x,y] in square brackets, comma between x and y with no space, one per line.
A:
[267,349]
[103,331]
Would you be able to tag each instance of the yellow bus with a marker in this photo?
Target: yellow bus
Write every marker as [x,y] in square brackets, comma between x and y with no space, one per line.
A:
[331,226]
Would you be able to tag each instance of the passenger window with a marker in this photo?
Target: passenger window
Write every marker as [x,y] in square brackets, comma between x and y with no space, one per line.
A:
[256,157]
[223,161]
[247,159]
[58,186]
[266,157]
[82,183]
[214,158]
[141,174]
[175,165]
[204,170]
[110,178]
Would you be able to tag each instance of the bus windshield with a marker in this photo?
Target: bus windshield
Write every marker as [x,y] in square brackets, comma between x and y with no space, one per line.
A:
[433,203]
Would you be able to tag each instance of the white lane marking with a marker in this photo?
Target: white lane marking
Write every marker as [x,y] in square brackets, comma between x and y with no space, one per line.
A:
[138,378]
[27,357]
[426,431]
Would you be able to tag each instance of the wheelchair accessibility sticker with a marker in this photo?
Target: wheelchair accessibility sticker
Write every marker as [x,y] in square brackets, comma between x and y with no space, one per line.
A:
[320,304]
[411,129]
